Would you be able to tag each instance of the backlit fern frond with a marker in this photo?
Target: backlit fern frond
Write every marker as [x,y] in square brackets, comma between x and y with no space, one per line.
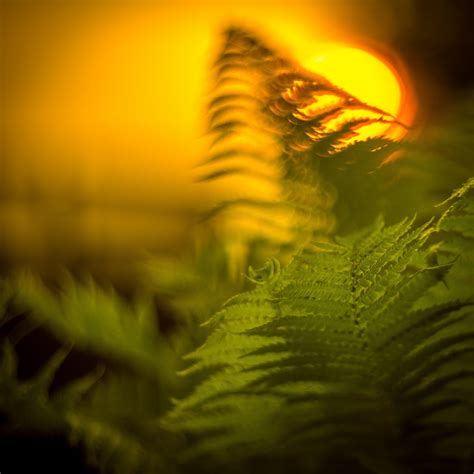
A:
[333,360]
[274,122]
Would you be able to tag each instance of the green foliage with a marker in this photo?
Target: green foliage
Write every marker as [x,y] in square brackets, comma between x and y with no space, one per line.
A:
[191,288]
[114,442]
[99,321]
[107,411]
[356,356]
[116,448]
[458,224]
[28,404]
[335,353]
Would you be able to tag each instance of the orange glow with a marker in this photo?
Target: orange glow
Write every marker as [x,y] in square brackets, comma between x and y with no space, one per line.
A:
[133,83]
[368,77]
[104,110]
[361,74]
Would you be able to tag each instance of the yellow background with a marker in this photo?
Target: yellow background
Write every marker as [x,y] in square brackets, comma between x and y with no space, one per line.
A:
[102,116]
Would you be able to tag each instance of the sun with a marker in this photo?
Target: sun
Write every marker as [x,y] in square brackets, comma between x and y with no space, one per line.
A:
[367,76]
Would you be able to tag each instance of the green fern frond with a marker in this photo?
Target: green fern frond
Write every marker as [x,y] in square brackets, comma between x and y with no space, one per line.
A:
[456,226]
[100,322]
[335,353]
[115,438]
[29,405]
[190,288]
[105,414]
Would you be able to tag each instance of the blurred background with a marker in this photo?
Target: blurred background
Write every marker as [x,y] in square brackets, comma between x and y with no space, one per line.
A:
[103,107]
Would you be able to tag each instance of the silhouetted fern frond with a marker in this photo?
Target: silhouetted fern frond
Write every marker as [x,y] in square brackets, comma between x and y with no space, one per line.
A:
[275,122]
